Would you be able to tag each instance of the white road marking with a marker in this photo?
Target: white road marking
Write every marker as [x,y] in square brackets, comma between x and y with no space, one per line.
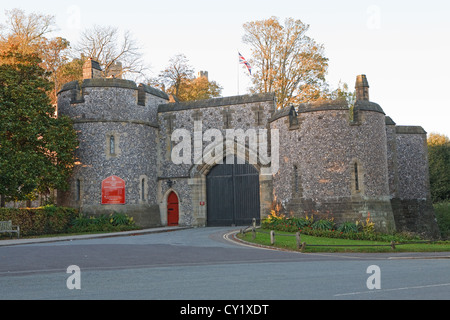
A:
[393,289]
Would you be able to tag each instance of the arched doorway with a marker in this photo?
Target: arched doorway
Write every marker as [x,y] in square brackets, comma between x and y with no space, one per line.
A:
[232,194]
[172,209]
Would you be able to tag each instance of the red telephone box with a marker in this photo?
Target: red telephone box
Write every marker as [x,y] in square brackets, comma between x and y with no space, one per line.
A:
[113,190]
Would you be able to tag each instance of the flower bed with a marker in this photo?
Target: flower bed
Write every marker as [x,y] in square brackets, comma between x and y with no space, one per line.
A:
[355,230]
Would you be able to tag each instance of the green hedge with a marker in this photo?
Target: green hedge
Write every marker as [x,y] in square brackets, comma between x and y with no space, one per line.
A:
[39,221]
[114,222]
[442,211]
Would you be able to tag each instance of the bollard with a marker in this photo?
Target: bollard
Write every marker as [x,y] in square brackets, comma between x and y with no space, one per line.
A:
[253,233]
[297,236]
[272,237]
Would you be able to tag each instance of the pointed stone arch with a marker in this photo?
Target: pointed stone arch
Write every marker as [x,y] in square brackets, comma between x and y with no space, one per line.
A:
[199,172]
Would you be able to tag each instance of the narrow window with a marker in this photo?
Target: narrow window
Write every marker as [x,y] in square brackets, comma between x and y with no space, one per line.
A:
[78,190]
[112,146]
[356,177]
[296,185]
[143,189]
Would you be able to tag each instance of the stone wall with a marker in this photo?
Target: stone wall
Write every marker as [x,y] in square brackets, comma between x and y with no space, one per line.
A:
[412,203]
[392,157]
[118,136]
[317,166]
[189,180]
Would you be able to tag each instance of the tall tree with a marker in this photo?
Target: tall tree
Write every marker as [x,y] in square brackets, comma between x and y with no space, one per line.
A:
[199,88]
[54,57]
[285,60]
[36,148]
[106,45]
[30,34]
[177,72]
[178,79]
[26,31]
[439,166]
[342,93]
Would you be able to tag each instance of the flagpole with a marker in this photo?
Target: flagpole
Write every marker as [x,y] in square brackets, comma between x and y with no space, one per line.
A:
[242,60]
[238,75]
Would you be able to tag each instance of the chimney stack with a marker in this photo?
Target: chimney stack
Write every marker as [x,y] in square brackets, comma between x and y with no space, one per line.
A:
[91,69]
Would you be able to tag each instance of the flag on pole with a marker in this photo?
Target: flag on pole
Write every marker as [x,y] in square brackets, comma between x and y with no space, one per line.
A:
[242,60]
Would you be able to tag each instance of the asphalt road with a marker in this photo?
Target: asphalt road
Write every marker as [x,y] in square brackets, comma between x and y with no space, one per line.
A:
[202,264]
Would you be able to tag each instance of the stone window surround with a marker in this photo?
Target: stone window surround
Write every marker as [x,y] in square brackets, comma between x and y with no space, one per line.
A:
[357,182]
[116,136]
[143,194]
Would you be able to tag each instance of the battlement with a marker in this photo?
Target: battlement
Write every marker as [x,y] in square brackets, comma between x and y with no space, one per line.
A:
[217,102]
[78,89]
[325,105]
[93,77]
[409,130]
[110,99]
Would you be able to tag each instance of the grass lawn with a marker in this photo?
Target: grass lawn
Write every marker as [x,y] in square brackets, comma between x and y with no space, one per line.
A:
[288,241]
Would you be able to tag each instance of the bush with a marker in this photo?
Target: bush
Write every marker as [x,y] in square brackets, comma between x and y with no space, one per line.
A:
[114,222]
[323,224]
[281,223]
[442,211]
[348,227]
[39,221]
[51,219]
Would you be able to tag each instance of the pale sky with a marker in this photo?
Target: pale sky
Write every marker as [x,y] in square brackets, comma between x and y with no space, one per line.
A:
[403,47]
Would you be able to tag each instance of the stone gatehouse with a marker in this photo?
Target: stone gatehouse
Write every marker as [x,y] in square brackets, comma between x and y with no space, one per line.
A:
[330,159]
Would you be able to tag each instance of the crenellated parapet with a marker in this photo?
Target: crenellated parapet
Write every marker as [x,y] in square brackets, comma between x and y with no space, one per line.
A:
[110,99]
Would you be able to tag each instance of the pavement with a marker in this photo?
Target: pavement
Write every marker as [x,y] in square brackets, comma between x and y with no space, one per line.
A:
[21,241]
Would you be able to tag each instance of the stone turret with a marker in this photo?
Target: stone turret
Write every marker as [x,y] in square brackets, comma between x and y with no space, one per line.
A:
[362,88]
[115,70]
[117,126]
[202,74]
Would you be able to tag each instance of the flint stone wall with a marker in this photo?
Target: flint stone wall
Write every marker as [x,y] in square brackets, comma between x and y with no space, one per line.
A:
[412,201]
[101,108]
[189,180]
[317,165]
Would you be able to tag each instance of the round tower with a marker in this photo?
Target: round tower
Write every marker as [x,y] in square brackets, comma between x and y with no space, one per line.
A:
[370,177]
[335,161]
[116,121]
